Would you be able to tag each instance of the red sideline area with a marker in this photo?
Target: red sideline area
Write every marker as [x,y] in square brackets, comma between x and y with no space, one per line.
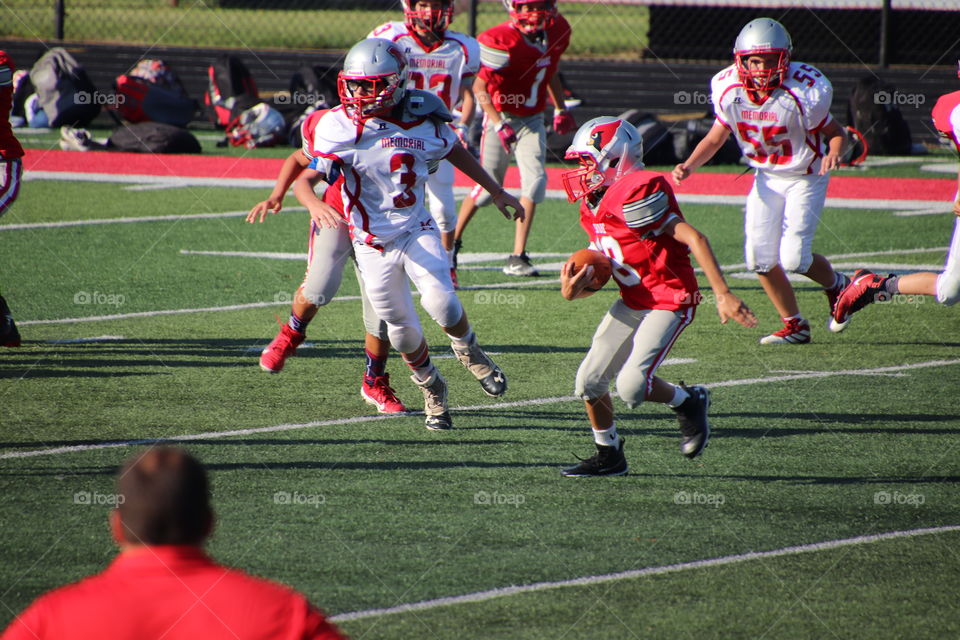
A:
[198,166]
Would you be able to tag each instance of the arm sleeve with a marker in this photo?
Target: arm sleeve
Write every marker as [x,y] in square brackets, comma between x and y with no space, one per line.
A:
[649,207]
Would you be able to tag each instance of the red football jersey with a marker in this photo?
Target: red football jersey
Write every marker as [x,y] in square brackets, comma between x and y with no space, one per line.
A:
[517,70]
[944,115]
[652,270]
[171,592]
[9,145]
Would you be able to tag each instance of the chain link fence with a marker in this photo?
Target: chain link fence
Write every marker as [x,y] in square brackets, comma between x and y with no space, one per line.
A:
[871,32]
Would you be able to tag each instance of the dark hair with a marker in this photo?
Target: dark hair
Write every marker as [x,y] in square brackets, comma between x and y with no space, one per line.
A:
[165,498]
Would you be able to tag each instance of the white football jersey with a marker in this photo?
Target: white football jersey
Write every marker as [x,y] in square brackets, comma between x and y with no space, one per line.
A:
[782,133]
[384,164]
[443,69]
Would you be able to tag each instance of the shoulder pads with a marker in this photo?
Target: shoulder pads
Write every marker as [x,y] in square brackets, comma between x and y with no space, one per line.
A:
[424,104]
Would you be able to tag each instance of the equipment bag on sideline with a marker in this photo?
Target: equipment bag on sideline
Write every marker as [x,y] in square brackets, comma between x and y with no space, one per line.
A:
[151,91]
[66,94]
[872,110]
[230,90]
[153,137]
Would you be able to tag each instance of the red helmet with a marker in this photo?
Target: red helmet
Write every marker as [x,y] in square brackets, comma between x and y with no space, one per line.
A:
[373,78]
[535,18]
[434,20]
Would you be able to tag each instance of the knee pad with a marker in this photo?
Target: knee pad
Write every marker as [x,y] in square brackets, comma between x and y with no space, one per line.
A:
[796,263]
[443,306]
[589,386]
[948,289]
[632,388]
[405,338]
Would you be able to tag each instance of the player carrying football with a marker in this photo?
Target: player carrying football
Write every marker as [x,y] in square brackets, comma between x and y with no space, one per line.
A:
[384,139]
[519,61]
[779,113]
[11,169]
[868,287]
[443,62]
[631,215]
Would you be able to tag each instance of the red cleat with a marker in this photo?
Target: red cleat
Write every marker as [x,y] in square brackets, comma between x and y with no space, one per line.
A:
[282,347]
[378,392]
[793,332]
[866,287]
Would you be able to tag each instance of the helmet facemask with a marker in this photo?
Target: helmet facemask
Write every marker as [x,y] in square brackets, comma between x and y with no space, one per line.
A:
[762,79]
[531,20]
[434,21]
[367,96]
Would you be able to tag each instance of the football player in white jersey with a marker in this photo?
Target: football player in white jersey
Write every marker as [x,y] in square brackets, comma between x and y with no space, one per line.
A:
[443,62]
[384,139]
[779,113]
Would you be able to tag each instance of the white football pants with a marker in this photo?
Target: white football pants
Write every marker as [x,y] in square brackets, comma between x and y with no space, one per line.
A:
[781,219]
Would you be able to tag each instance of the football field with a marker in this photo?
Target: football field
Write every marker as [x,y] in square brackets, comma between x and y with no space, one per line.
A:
[825,506]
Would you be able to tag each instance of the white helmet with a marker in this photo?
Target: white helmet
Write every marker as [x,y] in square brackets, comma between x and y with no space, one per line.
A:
[606,148]
[435,21]
[259,126]
[532,20]
[373,78]
[759,37]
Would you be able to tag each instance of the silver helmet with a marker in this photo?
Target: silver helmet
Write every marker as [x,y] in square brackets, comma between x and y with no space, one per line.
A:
[761,37]
[606,149]
[373,78]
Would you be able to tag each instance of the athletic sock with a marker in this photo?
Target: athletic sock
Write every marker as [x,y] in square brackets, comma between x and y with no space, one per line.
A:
[892,285]
[606,437]
[464,341]
[799,318]
[838,281]
[679,395]
[375,367]
[297,323]
[420,364]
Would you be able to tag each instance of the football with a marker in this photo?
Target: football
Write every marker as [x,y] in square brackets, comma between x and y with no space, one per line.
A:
[601,266]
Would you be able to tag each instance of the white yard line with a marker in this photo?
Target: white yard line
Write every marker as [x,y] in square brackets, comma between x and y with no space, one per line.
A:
[480,596]
[215,435]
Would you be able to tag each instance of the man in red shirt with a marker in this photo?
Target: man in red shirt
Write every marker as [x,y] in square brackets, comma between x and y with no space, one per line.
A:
[519,61]
[632,217]
[11,169]
[162,584]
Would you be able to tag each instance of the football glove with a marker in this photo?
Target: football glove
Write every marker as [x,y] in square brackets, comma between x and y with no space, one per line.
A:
[563,122]
[507,135]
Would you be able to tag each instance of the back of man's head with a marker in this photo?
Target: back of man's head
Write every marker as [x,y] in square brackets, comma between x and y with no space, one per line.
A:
[165,498]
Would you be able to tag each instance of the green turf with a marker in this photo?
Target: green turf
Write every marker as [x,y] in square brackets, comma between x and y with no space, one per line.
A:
[383,512]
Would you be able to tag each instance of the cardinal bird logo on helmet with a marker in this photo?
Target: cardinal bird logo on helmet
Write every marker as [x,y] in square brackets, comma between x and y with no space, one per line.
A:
[603,134]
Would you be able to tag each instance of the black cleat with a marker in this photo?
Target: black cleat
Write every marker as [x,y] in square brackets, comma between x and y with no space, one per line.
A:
[9,336]
[608,461]
[692,416]
[441,422]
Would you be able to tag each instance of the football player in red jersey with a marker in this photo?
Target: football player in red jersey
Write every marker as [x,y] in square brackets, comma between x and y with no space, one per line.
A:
[11,170]
[519,61]
[867,287]
[632,216]
[329,250]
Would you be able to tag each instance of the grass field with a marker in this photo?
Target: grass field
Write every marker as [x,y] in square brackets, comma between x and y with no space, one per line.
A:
[599,29]
[856,434]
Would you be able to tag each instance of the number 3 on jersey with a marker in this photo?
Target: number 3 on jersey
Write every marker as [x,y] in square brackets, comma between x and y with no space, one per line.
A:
[401,167]
[622,272]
